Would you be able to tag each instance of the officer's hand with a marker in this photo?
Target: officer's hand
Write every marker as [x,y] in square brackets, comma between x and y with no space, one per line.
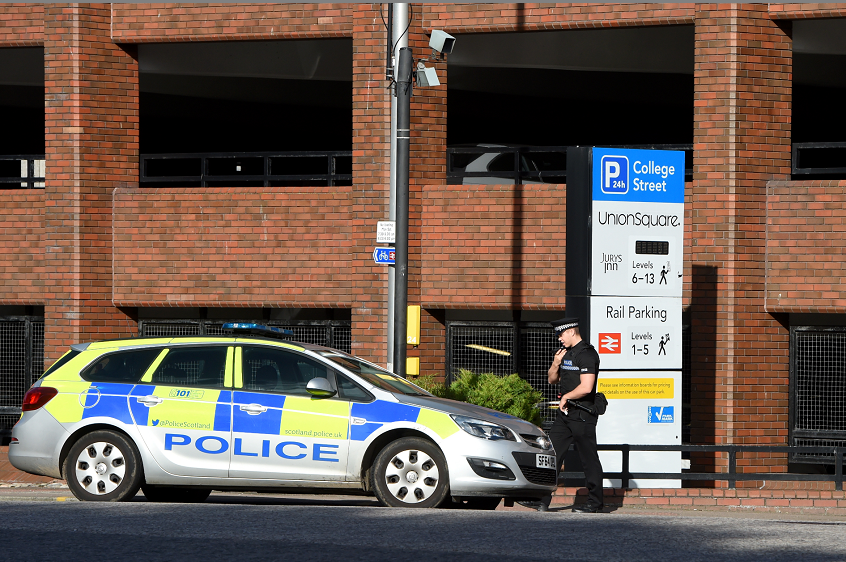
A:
[559,355]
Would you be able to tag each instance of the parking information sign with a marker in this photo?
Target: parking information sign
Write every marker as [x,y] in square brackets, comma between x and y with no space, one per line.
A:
[635,289]
[637,222]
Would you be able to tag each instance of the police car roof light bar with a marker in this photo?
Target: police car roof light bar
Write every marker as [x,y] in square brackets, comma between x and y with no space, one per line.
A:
[258,330]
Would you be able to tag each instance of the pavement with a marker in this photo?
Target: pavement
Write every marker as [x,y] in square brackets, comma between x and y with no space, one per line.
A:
[790,504]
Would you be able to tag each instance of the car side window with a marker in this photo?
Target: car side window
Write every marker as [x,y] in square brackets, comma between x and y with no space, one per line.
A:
[278,370]
[121,367]
[502,163]
[348,390]
[192,366]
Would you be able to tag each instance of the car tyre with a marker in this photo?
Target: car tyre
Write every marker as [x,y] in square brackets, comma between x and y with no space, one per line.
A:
[174,494]
[410,472]
[103,466]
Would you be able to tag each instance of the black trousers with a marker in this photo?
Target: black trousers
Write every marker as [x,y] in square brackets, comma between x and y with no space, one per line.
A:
[566,431]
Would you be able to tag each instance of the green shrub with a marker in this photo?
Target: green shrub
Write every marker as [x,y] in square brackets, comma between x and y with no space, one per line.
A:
[511,395]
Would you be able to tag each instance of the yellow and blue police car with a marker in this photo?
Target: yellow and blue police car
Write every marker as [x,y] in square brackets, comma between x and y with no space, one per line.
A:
[180,416]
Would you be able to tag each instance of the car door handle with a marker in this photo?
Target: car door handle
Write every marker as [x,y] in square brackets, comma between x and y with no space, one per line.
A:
[150,400]
[253,409]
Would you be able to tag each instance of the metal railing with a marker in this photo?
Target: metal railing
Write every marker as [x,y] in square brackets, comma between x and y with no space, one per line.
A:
[732,476]
[21,171]
[233,169]
[528,164]
[818,158]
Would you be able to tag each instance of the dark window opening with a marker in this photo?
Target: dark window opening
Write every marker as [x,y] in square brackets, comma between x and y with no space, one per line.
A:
[818,118]
[224,102]
[22,106]
[617,87]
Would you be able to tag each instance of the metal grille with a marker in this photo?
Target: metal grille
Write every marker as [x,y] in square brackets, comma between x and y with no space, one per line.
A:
[36,338]
[820,457]
[21,363]
[820,381]
[494,348]
[342,338]
[13,376]
[818,387]
[330,334]
[168,329]
[540,476]
[481,349]
[537,346]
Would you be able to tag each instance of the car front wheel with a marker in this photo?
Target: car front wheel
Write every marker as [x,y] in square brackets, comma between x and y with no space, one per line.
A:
[410,472]
[103,466]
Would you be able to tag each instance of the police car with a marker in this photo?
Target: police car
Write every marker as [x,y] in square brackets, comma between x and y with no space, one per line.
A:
[178,417]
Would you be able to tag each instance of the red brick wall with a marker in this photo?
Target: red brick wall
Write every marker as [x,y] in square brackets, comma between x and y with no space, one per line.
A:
[741,141]
[487,246]
[805,241]
[249,247]
[91,105]
[532,17]
[22,25]
[22,267]
[138,23]
[809,10]
[371,184]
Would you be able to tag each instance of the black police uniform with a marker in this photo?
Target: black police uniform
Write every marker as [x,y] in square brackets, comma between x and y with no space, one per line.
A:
[579,426]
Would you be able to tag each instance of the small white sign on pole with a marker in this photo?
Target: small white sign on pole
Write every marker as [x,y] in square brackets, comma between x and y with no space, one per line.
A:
[386,232]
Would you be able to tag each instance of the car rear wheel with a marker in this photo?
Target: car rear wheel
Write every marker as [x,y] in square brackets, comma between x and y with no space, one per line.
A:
[410,472]
[174,494]
[103,466]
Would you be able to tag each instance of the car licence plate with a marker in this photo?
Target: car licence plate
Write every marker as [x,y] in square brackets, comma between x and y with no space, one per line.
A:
[544,461]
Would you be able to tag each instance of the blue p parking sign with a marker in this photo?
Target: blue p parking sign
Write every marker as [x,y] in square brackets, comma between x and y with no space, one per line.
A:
[614,172]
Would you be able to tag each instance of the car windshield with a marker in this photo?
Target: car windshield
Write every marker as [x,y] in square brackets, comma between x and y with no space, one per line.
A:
[374,375]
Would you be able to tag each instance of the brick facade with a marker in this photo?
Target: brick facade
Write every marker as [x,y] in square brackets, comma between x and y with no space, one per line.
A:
[91,121]
[92,246]
[741,141]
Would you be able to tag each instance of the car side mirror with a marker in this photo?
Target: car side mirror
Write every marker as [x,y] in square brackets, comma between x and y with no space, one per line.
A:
[320,388]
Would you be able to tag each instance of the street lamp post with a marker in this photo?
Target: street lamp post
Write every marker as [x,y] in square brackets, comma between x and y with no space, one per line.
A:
[404,80]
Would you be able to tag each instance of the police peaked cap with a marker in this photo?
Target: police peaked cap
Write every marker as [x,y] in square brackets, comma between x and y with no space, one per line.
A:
[564,324]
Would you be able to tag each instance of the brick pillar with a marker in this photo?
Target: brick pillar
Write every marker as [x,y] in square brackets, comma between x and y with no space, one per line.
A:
[371,183]
[428,167]
[91,107]
[742,140]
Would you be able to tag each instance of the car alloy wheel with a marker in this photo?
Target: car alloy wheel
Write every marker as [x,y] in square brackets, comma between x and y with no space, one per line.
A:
[103,466]
[410,472]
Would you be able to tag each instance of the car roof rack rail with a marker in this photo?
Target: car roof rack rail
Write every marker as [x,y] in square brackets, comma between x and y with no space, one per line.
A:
[257,330]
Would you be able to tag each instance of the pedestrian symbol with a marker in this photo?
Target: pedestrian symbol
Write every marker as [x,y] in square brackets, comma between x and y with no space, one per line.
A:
[665,339]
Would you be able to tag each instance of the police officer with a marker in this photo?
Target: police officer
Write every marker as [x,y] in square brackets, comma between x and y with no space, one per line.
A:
[576,368]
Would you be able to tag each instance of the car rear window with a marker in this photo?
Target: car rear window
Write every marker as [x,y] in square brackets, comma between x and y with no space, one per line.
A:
[71,353]
[121,366]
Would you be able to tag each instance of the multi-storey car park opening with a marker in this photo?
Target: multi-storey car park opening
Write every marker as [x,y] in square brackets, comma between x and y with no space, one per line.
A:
[22,107]
[552,89]
[819,88]
[246,113]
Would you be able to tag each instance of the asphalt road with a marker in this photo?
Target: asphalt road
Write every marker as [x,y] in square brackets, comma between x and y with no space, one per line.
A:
[262,527]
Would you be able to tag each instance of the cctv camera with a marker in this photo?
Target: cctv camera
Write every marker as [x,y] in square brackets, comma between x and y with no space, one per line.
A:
[427,77]
[442,42]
